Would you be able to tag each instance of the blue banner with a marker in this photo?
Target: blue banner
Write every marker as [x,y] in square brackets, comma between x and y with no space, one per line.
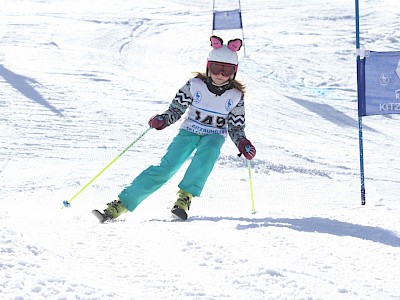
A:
[231,19]
[381,72]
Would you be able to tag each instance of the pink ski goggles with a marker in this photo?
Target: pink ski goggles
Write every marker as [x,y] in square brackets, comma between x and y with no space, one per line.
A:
[218,68]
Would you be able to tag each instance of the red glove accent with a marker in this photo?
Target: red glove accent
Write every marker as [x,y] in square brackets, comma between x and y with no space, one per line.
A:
[247,149]
[158,122]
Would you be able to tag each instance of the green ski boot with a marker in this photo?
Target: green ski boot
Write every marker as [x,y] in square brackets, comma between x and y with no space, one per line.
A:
[114,210]
[182,204]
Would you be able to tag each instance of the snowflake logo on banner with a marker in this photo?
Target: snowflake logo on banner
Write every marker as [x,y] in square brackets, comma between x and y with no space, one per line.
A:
[384,79]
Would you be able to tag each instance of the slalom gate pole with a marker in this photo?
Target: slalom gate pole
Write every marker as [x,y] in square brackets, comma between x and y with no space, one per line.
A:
[360,135]
[68,203]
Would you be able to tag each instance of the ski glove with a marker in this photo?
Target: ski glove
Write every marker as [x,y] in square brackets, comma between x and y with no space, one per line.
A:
[158,122]
[247,149]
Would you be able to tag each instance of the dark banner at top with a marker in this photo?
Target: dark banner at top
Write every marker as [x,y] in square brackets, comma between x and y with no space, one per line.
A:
[380,73]
[224,20]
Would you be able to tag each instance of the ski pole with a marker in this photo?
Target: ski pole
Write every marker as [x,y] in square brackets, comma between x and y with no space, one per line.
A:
[68,203]
[253,210]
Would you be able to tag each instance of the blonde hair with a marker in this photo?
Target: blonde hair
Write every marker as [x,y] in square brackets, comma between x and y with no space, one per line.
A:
[241,87]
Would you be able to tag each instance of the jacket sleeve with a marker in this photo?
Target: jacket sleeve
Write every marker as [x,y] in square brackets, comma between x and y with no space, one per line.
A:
[236,122]
[183,99]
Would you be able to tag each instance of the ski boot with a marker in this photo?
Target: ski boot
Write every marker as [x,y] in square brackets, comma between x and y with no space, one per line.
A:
[114,210]
[182,204]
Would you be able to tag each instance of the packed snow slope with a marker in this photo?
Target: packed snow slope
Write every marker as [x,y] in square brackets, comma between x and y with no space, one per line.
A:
[79,81]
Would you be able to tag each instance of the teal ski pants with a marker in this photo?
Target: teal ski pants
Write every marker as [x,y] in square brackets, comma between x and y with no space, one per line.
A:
[208,150]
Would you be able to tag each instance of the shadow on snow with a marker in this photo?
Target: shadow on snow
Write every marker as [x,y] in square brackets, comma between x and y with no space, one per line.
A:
[315,224]
[329,113]
[23,85]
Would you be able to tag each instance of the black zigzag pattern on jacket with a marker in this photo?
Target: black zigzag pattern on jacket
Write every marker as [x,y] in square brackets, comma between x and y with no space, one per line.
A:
[236,125]
[238,120]
[183,99]
[236,116]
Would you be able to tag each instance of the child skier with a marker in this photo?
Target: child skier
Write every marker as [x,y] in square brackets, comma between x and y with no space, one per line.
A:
[215,104]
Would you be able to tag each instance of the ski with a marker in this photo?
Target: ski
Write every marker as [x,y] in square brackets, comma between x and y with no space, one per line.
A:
[103,218]
[179,212]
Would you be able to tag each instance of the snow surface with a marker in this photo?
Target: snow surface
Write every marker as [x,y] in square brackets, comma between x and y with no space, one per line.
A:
[79,81]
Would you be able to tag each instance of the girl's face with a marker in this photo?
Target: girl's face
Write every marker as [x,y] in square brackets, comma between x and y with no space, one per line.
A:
[219,79]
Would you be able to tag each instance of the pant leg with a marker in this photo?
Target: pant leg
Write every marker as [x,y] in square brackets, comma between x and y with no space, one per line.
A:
[154,177]
[207,153]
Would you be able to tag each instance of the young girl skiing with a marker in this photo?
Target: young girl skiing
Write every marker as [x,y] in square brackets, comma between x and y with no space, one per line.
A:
[215,104]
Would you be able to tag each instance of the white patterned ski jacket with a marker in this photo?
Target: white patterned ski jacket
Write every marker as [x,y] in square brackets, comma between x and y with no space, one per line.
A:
[211,109]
